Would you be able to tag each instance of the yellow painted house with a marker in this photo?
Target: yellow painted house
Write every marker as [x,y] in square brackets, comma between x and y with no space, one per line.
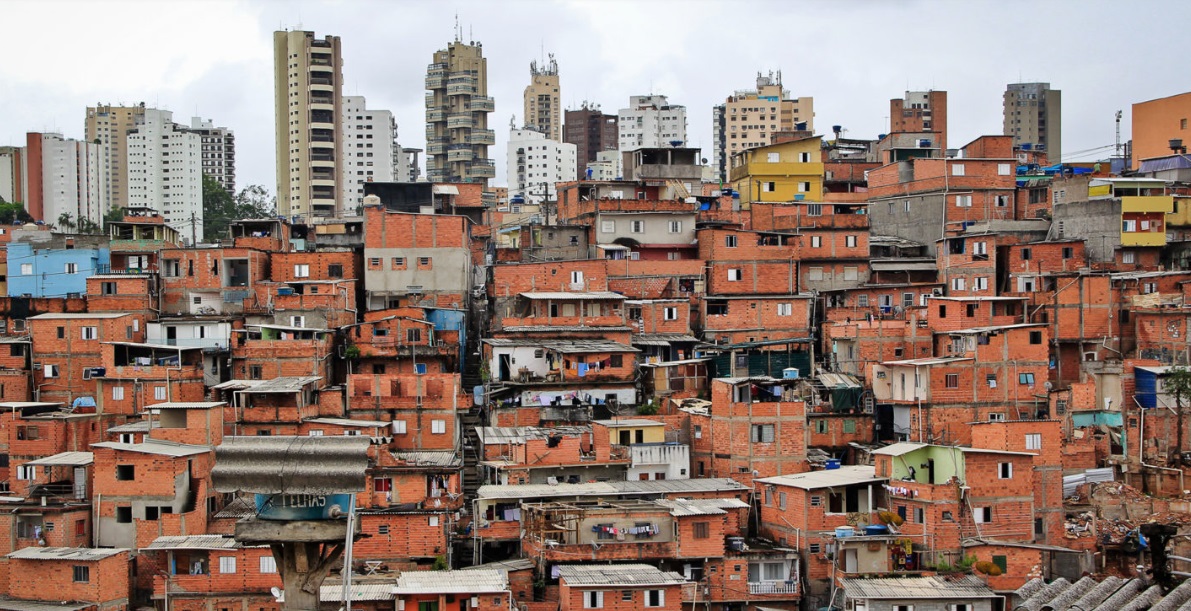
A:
[1146,209]
[785,172]
[629,431]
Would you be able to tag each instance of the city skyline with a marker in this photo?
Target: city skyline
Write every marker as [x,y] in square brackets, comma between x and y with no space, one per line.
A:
[852,86]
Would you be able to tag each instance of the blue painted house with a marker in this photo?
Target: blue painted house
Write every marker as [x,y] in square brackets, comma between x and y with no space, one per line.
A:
[35,270]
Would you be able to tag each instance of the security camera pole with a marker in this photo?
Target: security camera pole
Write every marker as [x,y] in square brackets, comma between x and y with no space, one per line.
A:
[304,490]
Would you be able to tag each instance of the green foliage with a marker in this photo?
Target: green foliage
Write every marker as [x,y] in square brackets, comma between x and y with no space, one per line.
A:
[352,352]
[647,409]
[115,215]
[963,566]
[220,209]
[1177,382]
[440,563]
[86,225]
[13,211]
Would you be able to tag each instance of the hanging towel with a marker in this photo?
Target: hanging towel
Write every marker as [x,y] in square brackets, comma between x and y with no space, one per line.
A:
[582,369]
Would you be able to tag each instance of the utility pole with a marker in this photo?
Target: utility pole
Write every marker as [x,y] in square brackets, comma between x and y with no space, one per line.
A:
[193,231]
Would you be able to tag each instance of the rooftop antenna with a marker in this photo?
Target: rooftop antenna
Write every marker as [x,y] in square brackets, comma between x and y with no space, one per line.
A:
[1118,133]
[458,32]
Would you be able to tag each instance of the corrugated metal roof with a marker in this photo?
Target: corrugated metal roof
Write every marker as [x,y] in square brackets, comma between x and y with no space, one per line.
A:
[623,422]
[139,426]
[828,478]
[667,486]
[701,507]
[1110,593]
[576,346]
[430,458]
[157,446]
[291,465]
[519,434]
[187,405]
[348,422]
[513,564]
[333,592]
[64,459]
[77,554]
[239,508]
[7,604]
[617,575]
[283,384]
[451,582]
[903,266]
[899,448]
[909,588]
[572,296]
[77,315]
[197,542]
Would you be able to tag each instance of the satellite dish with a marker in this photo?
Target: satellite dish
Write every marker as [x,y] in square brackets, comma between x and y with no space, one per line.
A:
[275,591]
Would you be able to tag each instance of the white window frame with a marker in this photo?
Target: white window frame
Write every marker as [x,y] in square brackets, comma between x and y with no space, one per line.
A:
[1005,470]
[661,598]
[675,226]
[959,284]
[1033,441]
[963,201]
[268,565]
[816,241]
[670,313]
[159,393]
[1004,169]
[89,332]
[227,565]
[301,270]
[957,169]
[297,321]
[636,226]
[26,269]
[400,427]
[850,241]
[980,283]
[734,274]
[785,309]
[982,515]
[117,393]
[607,226]
[438,427]
[593,599]
[70,268]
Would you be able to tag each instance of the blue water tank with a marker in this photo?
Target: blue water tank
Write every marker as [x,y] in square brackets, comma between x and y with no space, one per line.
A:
[790,373]
[285,290]
[832,463]
[876,529]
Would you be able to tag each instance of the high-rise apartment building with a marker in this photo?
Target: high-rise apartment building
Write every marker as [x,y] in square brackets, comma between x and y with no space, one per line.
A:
[920,111]
[370,149]
[11,175]
[592,132]
[457,107]
[536,163]
[543,112]
[108,126]
[219,152]
[749,118]
[308,84]
[165,172]
[60,176]
[1034,116]
[651,121]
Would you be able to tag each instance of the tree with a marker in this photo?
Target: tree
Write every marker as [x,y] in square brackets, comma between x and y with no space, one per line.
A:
[66,222]
[255,202]
[115,215]
[11,212]
[219,209]
[1177,382]
[89,226]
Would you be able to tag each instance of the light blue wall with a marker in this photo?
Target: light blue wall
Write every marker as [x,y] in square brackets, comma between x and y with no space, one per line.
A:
[49,277]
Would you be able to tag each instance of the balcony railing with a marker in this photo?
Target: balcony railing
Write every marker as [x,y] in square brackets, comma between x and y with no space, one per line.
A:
[773,587]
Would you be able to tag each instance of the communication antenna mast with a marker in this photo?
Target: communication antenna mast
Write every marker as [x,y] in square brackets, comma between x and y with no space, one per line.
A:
[1118,133]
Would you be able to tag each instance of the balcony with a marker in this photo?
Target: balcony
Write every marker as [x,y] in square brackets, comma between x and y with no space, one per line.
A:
[460,121]
[461,89]
[484,104]
[431,102]
[322,125]
[436,81]
[460,153]
[437,148]
[773,587]
[321,104]
[316,144]
[436,115]
[482,168]
[482,137]
[431,131]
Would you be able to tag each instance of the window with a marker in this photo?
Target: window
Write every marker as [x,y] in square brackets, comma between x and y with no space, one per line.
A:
[297,321]
[71,268]
[1003,169]
[576,277]
[701,530]
[960,607]
[762,433]
[616,360]
[90,332]
[1128,257]
[948,517]
[862,301]
[733,274]
[698,432]
[991,379]
[61,332]
[851,273]
[903,607]
[815,548]
[781,500]
[124,515]
[227,564]
[980,283]
[399,427]
[117,393]
[26,269]
[1034,441]
[268,564]
[26,472]
[805,157]
[50,371]
[302,271]
[374,262]
[816,241]
[730,241]
[785,309]
[413,335]
[1005,470]
[382,484]
[768,187]
[655,598]
[425,262]
[593,600]
[626,595]
[438,427]
[982,515]
[675,226]
[81,574]
[1025,379]
[607,226]
[959,284]
[957,169]
[159,393]
[637,226]
[963,201]
[850,241]
[919,515]
[1129,225]
[814,209]
[996,417]
[125,472]
[335,270]
[772,157]
[952,380]
[669,313]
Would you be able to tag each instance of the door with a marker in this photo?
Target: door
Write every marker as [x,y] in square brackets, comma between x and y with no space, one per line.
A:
[625,438]
[850,565]
[505,368]
[171,336]
[80,483]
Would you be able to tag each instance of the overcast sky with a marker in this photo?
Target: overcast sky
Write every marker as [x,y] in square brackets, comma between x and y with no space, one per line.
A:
[214,58]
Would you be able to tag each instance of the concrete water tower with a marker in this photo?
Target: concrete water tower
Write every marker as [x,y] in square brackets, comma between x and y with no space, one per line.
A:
[304,490]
